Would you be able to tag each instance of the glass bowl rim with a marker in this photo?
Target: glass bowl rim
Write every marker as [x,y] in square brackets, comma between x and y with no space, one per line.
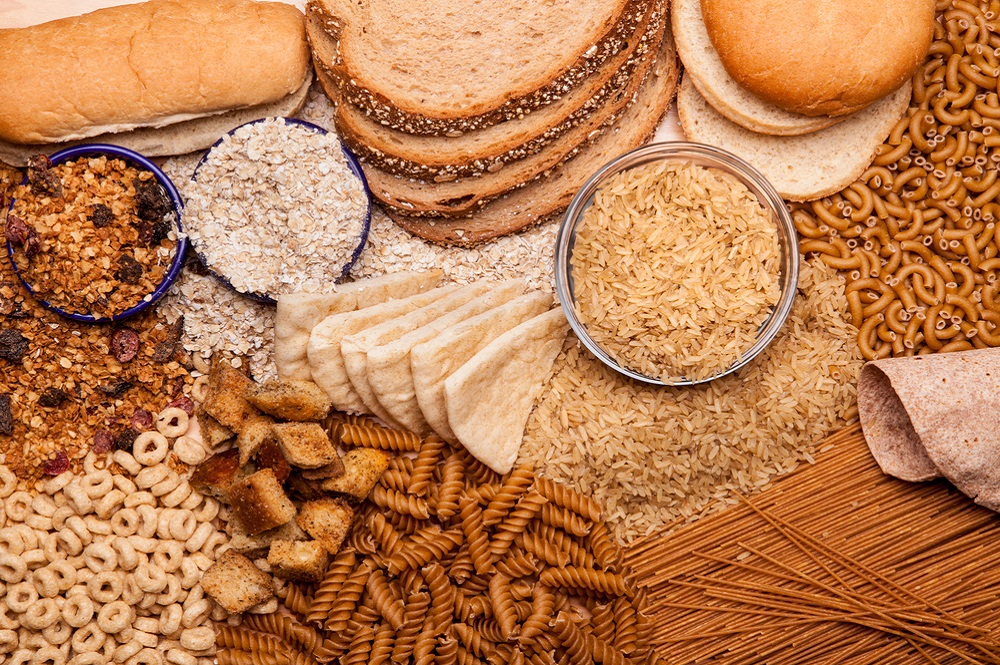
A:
[677,150]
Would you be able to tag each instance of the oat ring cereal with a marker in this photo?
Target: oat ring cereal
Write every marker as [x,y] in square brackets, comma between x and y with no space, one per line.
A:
[150,448]
[172,422]
[12,568]
[114,617]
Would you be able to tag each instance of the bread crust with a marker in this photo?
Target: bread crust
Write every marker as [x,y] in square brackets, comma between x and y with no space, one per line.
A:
[820,58]
[440,159]
[506,105]
[147,65]
[546,197]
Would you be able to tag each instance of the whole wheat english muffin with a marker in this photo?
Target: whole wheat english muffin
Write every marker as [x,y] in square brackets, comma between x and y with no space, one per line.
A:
[820,58]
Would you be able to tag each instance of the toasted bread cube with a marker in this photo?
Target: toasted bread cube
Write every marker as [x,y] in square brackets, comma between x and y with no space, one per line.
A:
[334,470]
[259,503]
[236,584]
[305,445]
[259,544]
[269,456]
[216,474]
[362,469]
[304,489]
[213,433]
[291,400]
[226,397]
[256,430]
[327,520]
[301,561]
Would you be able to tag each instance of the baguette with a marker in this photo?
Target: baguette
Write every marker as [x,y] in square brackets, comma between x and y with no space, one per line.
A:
[148,66]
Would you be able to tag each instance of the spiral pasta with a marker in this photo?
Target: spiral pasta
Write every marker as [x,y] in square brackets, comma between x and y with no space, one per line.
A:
[333,581]
[390,607]
[347,598]
[528,507]
[450,489]
[381,651]
[585,579]
[566,520]
[418,554]
[516,484]
[406,638]
[397,502]
[374,436]
[503,605]
[423,466]
[295,599]
[472,525]
[582,647]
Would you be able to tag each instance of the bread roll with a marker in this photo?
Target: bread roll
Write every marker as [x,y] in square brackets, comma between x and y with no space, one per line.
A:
[820,58]
[147,65]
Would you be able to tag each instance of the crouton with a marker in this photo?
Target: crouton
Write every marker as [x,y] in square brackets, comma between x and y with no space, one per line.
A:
[291,400]
[304,489]
[305,445]
[236,584]
[327,520]
[259,503]
[332,470]
[258,545]
[362,469]
[269,456]
[256,430]
[213,433]
[225,399]
[301,561]
[216,474]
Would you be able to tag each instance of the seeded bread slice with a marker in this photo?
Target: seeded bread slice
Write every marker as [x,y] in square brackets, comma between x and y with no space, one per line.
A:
[443,158]
[433,68]
[553,192]
[462,196]
[703,65]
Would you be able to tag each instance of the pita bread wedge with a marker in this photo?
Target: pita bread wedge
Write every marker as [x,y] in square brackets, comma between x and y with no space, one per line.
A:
[949,402]
[490,397]
[355,348]
[435,360]
[326,364]
[298,313]
[389,372]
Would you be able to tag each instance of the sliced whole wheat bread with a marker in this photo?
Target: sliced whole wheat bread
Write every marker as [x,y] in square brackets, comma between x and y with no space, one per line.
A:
[443,158]
[462,196]
[705,69]
[801,168]
[550,194]
[503,58]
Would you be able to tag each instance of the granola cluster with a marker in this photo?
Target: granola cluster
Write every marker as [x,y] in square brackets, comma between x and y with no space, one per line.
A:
[93,235]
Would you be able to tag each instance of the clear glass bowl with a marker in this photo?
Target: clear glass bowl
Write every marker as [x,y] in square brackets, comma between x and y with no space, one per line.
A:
[701,155]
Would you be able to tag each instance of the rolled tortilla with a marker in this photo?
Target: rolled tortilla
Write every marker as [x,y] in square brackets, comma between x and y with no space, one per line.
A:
[930,416]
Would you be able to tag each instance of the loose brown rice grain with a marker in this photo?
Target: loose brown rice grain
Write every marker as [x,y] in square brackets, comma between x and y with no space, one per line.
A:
[653,455]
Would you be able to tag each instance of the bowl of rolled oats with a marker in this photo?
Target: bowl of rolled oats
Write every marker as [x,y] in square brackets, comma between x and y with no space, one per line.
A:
[278,205]
[94,232]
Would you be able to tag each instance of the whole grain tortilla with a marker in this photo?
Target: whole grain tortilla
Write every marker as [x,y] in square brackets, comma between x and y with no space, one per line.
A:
[930,416]
[490,397]
[326,364]
[389,373]
[298,313]
[355,348]
[434,361]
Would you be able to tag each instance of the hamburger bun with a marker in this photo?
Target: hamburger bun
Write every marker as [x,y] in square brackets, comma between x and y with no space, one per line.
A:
[820,58]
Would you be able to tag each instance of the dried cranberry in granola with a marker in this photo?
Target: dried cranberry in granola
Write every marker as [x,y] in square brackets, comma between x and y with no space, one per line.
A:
[124,344]
[104,245]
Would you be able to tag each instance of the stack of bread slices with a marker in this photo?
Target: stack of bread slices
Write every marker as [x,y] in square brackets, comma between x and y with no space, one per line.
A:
[474,120]
[805,91]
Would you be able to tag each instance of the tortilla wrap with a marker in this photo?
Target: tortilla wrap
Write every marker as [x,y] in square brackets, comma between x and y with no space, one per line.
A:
[935,415]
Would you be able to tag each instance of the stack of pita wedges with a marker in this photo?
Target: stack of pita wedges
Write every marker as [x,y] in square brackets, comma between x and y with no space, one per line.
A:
[464,362]
[474,121]
[804,91]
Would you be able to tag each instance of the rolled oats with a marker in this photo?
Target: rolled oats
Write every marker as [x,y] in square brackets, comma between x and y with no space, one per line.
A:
[275,208]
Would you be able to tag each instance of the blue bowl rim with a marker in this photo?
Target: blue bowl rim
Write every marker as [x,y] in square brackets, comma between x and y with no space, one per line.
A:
[106,149]
[352,162]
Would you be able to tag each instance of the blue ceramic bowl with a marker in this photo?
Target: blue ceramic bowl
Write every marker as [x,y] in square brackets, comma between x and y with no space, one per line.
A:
[138,161]
[352,162]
